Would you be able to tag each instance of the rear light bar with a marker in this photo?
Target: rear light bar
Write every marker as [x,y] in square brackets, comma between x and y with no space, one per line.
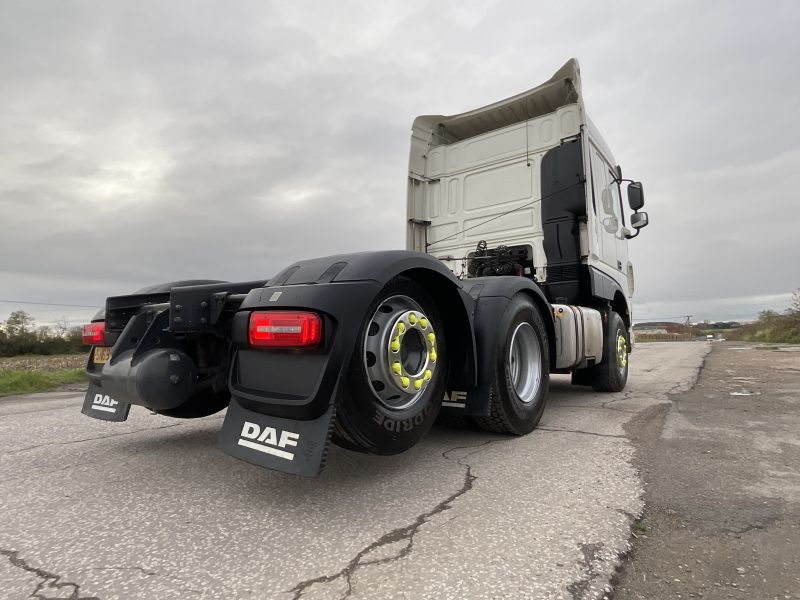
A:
[285,329]
[94,334]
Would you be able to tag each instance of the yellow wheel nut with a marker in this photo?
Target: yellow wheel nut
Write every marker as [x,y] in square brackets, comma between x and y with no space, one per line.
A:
[428,374]
[432,338]
[396,368]
[423,322]
[417,384]
[433,355]
[404,381]
[395,345]
[401,327]
[412,318]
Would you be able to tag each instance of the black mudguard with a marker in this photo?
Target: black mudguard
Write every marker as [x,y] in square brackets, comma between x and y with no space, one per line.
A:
[492,296]
[98,404]
[288,390]
[295,446]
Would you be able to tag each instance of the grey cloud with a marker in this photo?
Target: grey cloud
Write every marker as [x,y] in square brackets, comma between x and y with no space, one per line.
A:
[146,142]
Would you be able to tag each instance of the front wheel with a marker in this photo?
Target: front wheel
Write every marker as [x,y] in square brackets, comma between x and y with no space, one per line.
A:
[397,375]
[611,375]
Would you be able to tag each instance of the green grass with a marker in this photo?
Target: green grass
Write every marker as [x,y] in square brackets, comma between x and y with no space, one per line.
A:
[14,381]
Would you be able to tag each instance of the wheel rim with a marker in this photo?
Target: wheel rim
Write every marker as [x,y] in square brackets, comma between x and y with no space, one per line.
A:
[400,355]
[622,352]
[525,362]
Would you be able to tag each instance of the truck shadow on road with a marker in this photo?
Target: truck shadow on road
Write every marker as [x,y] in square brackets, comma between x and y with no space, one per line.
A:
[187,453]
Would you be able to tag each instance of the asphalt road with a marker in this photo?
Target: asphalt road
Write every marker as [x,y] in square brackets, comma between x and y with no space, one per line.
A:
[150,509]
[721,467]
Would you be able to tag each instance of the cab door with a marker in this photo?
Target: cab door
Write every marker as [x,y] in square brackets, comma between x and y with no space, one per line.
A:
[607,205]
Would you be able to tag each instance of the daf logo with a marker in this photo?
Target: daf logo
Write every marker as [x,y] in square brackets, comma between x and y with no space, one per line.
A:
[456,399]
[104,402]
[268,440]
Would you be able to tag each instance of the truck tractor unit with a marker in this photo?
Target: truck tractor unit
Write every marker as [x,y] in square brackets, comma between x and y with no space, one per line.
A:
[516,266]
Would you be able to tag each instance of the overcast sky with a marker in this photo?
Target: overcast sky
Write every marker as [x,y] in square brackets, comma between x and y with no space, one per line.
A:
[143,142]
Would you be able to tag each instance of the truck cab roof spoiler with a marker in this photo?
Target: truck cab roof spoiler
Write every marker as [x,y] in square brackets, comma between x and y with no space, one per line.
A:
[563,88]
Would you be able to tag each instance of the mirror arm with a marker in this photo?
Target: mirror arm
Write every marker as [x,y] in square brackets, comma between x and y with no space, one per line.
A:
[630,237]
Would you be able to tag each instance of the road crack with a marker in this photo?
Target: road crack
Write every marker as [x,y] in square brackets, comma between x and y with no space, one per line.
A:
[91,439]
[605,435]
[48,579]
[142,570]
[399,534]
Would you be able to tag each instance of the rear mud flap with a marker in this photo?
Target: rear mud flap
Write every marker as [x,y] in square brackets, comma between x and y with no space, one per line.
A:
[288,445]
[99,405]
[469,403]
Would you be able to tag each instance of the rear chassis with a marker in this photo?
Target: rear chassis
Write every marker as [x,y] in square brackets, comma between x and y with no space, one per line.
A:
[177,349]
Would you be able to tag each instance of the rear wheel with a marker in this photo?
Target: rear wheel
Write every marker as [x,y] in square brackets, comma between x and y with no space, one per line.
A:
[396,379]
[521,371]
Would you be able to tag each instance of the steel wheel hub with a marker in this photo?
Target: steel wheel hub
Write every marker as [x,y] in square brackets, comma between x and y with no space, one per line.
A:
[525,362]
[622,352]
[399,352]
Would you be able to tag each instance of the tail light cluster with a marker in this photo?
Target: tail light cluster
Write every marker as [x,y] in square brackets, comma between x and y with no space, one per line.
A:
[285,329]
[94,334]
[268,329]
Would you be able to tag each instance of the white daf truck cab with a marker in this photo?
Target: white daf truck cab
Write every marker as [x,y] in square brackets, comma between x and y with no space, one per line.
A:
[527,186]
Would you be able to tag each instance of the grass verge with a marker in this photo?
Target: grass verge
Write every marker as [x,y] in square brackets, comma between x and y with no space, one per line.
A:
[13,381]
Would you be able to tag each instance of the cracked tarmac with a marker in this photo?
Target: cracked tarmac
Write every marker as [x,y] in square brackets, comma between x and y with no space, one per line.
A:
[150,509]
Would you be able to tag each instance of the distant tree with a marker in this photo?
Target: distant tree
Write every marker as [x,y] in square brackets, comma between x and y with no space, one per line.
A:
[18,324]
[794,308]
[62,327]
[19,335]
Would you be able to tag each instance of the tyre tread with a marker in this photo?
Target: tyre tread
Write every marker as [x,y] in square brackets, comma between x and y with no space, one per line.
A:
[498,421]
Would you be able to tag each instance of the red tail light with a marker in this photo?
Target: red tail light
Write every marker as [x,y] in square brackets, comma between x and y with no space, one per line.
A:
[285,329]
[94,334]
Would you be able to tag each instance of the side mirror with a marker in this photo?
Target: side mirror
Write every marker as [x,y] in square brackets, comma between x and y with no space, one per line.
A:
[635,196]
[639,220]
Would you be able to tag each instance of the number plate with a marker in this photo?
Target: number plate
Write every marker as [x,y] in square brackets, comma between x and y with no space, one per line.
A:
[101,355]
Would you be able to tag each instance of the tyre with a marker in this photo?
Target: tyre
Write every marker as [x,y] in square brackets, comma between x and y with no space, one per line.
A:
[521,371]
[611,374]
[396,380]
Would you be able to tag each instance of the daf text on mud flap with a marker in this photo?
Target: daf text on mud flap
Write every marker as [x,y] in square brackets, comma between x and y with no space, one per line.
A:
[104,403]
[268,441]
[456,399]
